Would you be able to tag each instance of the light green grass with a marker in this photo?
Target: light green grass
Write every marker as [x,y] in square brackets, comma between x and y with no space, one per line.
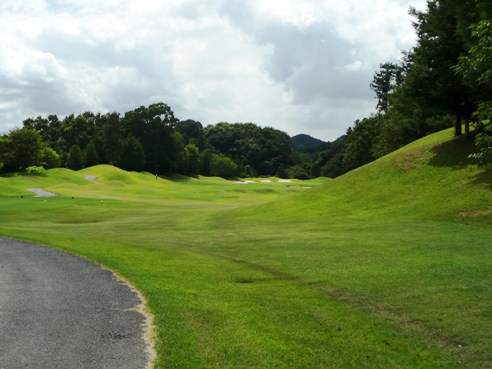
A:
[386,267]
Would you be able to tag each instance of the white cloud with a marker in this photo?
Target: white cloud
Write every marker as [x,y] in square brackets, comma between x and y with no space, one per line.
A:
[297,66]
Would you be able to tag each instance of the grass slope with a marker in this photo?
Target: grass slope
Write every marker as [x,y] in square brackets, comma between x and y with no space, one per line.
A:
[387,266]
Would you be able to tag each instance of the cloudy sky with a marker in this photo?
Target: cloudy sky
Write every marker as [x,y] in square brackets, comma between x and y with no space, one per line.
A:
[298,66]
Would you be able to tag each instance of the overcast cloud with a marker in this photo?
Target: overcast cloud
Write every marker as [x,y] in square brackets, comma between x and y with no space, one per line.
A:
[301,67]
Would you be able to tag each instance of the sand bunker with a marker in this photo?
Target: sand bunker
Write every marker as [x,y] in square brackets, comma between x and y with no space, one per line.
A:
[284,180]
[242,182]
[265,181]
[41,193]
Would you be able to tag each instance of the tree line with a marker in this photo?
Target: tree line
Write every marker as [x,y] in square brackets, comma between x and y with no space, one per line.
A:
[444,81]
[152,139]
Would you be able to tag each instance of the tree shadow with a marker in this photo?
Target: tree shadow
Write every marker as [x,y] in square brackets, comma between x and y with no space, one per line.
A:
[22,174]
[175,177]
[484,178]
[453,153]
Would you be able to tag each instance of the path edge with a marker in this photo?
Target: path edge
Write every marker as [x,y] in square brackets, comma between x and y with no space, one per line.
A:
[148,328]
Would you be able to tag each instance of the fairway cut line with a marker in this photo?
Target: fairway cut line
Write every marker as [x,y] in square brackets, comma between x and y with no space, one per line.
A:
[41,193]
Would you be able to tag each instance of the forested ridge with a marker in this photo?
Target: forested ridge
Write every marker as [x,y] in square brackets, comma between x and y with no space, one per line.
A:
[444,81]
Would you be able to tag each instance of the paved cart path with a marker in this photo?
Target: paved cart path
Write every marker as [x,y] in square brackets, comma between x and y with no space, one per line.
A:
[61,311]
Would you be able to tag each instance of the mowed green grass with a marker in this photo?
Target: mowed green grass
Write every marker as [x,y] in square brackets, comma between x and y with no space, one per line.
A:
[388,266]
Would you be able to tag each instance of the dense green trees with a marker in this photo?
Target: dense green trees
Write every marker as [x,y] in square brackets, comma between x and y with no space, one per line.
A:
[152,139]
[443,81]
[22,149]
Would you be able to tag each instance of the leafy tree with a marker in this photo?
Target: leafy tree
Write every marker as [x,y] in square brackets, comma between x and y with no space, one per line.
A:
[133,156]
[111,137]
[250,172]
[206,163]
[192,132]
[315,170]
[91,158]
[384,82]
[78,130]
[281,173]
[429,75]
[299,172]
[192,155]
[74,159]
[23,149]
[224,167]
[261,148]
[50,158]
[360,141]
[153,127]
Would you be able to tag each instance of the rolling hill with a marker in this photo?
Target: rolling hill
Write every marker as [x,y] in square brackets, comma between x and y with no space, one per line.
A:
[387,266]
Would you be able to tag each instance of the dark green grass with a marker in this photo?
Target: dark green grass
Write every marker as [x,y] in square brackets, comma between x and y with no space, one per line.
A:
[386,267]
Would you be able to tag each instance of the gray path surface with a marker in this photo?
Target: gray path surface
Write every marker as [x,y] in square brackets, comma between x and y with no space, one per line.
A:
[61,311]
[41,193]
[91,178]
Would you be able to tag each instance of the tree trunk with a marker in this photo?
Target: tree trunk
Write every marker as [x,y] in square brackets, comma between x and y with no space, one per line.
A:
[467,127]
[457,126]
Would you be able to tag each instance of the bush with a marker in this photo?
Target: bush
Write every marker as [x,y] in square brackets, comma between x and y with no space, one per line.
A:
[35,170]
[224,167]
[50,158]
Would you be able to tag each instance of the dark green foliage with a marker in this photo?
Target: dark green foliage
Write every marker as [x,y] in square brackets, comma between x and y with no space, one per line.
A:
[206,163]
[360,141]
[262,148]
[132,156]
[250,172]
[74,159]
[483,142]
[224,167]
[50,158]
[153,126]
[331,161]
[22,149]
[192,132]
[384,82]
[315,170]
[192,158]
[111,137]
[307,143]
[91,158]
[281,173]
[299,172]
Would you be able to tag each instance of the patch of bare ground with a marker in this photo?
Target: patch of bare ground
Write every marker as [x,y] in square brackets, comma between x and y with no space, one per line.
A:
[476,212]
[414,159]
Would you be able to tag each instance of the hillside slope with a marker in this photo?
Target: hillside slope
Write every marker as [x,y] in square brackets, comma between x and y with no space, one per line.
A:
[387,266]
[431,178]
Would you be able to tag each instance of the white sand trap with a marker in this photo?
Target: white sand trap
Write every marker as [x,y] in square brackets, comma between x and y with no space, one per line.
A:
[91,178]
[265,181]
[242,182]
[306,187]
[41,193]
[284,180]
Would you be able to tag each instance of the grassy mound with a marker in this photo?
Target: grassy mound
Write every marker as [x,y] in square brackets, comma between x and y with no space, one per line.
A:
[387,266]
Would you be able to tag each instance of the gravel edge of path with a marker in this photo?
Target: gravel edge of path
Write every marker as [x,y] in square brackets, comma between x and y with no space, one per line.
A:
[148,328]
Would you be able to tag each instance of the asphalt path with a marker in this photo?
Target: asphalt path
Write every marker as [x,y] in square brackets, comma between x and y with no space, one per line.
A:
[62,311]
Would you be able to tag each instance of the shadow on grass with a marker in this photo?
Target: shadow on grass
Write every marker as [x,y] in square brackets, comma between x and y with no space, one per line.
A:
[453,153]
[484,178]
[22,174]
[175,177]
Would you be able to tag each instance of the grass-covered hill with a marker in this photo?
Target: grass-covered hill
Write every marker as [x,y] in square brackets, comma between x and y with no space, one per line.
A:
[387,266]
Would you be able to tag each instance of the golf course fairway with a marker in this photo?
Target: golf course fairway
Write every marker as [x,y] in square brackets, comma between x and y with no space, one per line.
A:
[387,266]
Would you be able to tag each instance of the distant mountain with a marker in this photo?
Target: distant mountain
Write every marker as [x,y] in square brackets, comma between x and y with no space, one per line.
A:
[303,142]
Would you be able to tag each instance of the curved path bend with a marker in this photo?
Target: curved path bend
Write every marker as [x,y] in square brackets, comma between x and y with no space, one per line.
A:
[58,310]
